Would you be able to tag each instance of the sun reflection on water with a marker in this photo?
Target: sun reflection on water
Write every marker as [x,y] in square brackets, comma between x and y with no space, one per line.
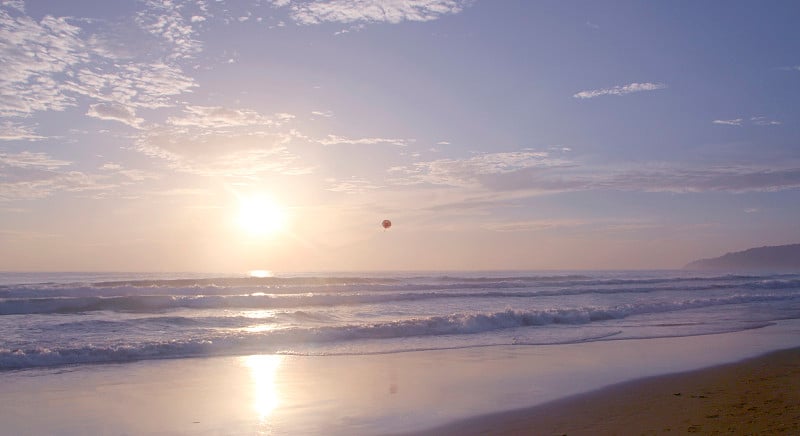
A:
[258,328]
[263,369]
[261,273]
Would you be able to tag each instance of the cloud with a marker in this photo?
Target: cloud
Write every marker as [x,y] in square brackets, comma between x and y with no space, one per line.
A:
[758,121]
[115,112]
[42,184]
[324,114]
[734,122]
[48,64]
[620,90]
[27,159]
[726,179]
[335,140]
[668,178]
[33,54]
[471,171]
[284,117]
[535,225]
[540,173]
[29,175]
[14,4]
[222,142]
[332,139]
[136,175]
[351,28]
[763,121]
[110,166]
[150,86]
[215,117]
[11,131]
[353,185]
[370,11]
[162,18]
[130,174]
[678,179]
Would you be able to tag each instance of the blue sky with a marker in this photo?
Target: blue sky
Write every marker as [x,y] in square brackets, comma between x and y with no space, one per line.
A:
[135,136]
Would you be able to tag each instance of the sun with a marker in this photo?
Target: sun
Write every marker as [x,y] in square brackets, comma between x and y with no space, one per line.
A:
[260,215]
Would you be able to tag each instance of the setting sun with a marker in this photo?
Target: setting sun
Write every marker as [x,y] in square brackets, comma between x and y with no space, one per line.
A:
[261,216]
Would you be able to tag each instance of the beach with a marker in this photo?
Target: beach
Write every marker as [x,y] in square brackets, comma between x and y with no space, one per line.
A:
[759,396]
[423,391]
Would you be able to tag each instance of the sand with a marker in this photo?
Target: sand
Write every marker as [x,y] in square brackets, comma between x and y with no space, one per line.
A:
[760,396]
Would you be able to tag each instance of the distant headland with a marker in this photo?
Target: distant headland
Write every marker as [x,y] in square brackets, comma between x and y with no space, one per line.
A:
[771,258]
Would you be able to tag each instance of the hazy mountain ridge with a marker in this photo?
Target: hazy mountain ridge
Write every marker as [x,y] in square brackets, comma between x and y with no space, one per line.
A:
[768,258]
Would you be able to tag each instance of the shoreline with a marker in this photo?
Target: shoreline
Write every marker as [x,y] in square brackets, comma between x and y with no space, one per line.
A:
[358,394]
[758,395]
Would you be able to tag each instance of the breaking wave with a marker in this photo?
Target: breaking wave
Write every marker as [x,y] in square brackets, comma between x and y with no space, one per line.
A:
[235,341]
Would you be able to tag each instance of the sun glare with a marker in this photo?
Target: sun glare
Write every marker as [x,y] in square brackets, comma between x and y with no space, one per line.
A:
[261,216]
[263,370]
[261,273]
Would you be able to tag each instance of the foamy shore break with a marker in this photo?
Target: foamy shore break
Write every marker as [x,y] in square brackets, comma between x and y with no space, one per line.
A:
[757,396]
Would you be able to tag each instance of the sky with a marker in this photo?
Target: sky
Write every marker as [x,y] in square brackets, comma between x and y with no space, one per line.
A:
[227,136]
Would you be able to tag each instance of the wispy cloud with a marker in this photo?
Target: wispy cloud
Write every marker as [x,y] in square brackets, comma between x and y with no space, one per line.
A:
[764,121]
[14,4]
[147,85]
[620,90]
[324,114]
[353,185]
[223,142]
[43,184]
[758,121]
[335,140]
[11,131]
[27,159]
[216,117]
[110,166]
[471,171]
[534,225]
[539,173]
[115,112]
[733,122]
[370,11]
[734,179]
[29,175]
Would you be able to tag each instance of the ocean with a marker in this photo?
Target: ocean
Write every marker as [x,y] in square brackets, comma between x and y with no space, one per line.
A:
[58,319]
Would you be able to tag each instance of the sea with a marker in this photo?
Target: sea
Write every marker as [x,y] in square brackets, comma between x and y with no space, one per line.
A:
[60,319]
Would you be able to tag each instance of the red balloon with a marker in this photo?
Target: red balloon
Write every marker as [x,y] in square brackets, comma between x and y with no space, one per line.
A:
[386,224]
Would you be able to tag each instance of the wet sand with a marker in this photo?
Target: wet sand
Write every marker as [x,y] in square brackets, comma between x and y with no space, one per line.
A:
[414,391]
[759,396]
